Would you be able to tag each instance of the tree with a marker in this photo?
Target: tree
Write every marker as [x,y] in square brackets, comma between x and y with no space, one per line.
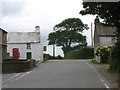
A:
[67,34]
[110,12]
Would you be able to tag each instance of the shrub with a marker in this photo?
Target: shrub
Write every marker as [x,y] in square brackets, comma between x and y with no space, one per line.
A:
[94,61]
[48,57]
[115,54]
[103,52]
[83,53]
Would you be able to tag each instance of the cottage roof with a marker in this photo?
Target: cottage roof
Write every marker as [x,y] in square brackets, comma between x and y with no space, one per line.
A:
[105,30]
[3,30]
[23,37]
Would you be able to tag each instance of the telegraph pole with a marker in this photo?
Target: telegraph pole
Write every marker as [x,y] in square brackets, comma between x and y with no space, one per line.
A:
[91,36]
[53,50]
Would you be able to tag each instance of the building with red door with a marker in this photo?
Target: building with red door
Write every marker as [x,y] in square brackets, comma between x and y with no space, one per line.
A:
[28,45]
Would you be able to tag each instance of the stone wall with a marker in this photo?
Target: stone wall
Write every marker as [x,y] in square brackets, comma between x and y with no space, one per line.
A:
[0,53]
[17,66]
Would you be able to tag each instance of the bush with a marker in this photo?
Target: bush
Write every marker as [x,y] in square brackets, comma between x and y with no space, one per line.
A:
[83,53]
[94,61]
[103,52]
[115,54]
[48,57]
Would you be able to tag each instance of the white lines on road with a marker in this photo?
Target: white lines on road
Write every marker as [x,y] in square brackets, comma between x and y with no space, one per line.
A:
[15,78]
[99,76]
[106,86]
[11,77]
[102,80]
[22,75]
[5,85]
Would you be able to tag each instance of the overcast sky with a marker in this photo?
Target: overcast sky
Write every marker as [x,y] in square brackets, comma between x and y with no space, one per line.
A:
[24,15]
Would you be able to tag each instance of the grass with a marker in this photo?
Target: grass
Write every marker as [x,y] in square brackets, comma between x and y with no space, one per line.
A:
[93,61]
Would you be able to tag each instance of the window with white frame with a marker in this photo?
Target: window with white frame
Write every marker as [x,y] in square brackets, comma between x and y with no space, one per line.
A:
[28,45]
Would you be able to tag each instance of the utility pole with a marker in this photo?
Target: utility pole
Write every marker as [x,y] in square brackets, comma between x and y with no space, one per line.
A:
[53,50]
[91,36]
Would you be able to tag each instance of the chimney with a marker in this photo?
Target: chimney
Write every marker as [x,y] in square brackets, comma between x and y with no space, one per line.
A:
[97,20]
[37,29]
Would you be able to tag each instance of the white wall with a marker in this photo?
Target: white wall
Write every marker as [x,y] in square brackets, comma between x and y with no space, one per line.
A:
[106,41]
[36,49]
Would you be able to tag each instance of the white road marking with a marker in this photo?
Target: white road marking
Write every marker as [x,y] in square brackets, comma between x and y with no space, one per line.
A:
[5,85]
[106,86]
[23,75]
[15,76]
[12,77]
[104,81]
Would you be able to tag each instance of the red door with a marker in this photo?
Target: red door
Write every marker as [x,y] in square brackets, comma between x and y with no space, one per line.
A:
[15,54]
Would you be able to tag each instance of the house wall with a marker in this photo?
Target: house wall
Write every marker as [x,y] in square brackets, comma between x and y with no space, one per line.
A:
[3,45]
[96,41]
[0,46]
[0,53]
[107,41]
[36,49]
[0,36]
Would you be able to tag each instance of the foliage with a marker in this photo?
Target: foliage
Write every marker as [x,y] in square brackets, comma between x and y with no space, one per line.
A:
[71,24]
[67,33]
[83,53]
[109,11]
[103,52]
[115,54]
[48,57]
[94,61]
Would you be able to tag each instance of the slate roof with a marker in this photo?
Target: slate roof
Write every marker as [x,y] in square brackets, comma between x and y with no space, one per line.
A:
[3,30]
[23,37]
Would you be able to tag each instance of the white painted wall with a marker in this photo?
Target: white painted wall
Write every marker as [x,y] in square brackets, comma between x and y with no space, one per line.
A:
[36,49]
[106,41]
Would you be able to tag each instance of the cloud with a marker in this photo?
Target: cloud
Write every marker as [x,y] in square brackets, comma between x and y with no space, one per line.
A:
[11,8]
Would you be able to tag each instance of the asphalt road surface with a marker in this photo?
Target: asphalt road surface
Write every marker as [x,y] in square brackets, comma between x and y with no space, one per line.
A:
[56,74]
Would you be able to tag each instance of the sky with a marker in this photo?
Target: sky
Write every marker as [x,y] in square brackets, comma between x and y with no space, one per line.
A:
[24,15]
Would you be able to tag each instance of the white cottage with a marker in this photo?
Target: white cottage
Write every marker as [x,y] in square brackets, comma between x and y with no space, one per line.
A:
[28,43]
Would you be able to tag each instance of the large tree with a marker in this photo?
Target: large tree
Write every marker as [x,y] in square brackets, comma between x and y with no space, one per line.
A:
[110,12]
[67,34]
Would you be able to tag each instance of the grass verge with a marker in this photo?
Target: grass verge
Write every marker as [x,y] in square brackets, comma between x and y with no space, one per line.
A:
[93,61]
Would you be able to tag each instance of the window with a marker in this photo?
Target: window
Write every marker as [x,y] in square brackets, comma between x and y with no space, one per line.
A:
[113,40]
[28,46]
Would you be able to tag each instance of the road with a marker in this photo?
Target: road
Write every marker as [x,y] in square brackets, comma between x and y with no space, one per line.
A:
[56,74]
